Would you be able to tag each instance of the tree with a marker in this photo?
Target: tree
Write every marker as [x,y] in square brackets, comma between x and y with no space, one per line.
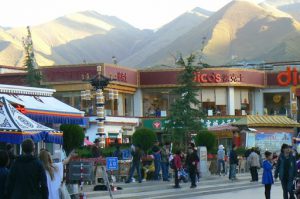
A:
[73,136]
[185,112]
[144,138]
[207,139]
[33,77]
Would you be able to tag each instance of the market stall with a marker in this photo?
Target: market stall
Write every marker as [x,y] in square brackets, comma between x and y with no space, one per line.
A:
[15,127]
[267,132]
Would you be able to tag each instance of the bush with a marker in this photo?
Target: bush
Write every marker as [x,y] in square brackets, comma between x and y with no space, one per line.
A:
[73,137]
[241,151]
[144,138]
[207,139]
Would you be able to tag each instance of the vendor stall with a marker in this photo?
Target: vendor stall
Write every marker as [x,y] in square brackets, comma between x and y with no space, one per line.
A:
[15,127]
[267,132]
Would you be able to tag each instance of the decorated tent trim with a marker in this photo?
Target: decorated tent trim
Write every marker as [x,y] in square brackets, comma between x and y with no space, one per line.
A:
[15,127]
[266,121]
[41,106]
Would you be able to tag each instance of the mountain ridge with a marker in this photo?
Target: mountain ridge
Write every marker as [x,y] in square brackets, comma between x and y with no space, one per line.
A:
[240,31]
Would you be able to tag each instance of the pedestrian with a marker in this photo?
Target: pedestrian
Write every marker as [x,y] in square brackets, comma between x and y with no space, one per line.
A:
[157,160]
[27,177]
[221,160]
[135,164]
[177,167]
[233,162]
[96,149]
[253,162]
[165,153]
[4,162]
[54,172]
[267,177]
[10,150]
[192,160]
[286,170]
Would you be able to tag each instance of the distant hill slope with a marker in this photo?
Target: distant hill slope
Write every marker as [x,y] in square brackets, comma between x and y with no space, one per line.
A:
[239,31]
[166,35]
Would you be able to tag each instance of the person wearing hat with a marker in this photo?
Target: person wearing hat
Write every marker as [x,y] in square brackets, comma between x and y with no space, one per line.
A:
[221,160]
[96,149]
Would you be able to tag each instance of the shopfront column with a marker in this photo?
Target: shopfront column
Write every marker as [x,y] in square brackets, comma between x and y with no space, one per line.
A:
[121,105]
[231,110]
[138,103]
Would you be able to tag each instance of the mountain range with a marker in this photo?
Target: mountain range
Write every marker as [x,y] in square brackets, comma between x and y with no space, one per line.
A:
[240,31]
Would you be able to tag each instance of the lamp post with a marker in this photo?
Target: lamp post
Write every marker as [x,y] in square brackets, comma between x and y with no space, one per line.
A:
[98,82]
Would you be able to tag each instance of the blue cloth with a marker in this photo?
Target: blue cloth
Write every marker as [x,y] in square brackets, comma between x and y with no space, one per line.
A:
[267,177]
[137,166]
[232,172]
[165,170]
[3,177]
[157,160]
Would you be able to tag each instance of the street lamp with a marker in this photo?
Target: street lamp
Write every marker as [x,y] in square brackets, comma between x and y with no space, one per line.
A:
[98,82]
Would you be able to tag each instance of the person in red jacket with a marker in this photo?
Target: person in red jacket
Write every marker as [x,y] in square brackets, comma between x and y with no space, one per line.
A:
[178,166]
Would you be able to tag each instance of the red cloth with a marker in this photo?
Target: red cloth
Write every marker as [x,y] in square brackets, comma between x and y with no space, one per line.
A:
[177,161]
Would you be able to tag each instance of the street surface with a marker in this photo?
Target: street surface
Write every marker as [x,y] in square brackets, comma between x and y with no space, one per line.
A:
[211,188]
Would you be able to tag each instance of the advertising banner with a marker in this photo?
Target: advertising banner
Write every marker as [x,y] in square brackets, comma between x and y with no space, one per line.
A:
[272,141]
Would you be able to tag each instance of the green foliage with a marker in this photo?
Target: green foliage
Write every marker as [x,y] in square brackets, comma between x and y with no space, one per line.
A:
[185,112]
[73,136]
[144,138]
[84,152]
[33,77]
[241,151]
[207,139]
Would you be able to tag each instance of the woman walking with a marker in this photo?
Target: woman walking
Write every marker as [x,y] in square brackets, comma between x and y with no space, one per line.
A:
[54,172]
[267,178]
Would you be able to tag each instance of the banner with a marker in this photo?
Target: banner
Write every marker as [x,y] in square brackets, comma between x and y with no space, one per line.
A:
[272,141]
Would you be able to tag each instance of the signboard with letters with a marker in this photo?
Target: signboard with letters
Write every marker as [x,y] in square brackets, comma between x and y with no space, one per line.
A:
[112,163]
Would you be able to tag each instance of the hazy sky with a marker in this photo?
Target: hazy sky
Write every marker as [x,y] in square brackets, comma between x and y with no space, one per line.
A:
[139,13]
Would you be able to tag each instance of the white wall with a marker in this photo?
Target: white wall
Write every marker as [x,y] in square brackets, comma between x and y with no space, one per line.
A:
[138,103]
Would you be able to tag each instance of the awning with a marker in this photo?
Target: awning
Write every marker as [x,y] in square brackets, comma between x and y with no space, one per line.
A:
[15,127]
[266,121]
[46,109]
[224,127]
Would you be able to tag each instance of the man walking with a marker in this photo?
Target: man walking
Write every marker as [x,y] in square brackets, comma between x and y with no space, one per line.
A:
[136,164]
[253,162]
[233,161]
[286,170]
[192,162]
[221,160]
[27,177]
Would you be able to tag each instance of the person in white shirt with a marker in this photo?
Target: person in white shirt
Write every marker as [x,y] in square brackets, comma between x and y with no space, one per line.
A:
[54,172]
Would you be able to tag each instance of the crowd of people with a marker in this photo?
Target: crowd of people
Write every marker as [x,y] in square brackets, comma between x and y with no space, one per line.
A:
[29,176]
[182,164]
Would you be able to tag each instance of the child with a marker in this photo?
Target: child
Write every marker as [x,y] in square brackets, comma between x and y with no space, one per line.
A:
[267,178]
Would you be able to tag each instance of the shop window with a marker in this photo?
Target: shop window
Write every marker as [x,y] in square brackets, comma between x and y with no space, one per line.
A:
[277,104]
[156,103]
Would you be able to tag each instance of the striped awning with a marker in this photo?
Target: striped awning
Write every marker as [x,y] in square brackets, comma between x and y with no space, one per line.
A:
[266,121]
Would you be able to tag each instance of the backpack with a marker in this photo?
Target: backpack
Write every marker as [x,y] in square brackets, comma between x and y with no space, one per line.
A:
[172,164]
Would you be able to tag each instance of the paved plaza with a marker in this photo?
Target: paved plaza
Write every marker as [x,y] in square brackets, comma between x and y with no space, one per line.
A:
[210,188]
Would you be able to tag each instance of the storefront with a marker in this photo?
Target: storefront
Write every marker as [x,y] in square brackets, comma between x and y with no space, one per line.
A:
[71,80]
[222,91]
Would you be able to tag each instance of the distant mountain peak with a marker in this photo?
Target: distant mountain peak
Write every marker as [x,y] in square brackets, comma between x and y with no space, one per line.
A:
[202,11]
